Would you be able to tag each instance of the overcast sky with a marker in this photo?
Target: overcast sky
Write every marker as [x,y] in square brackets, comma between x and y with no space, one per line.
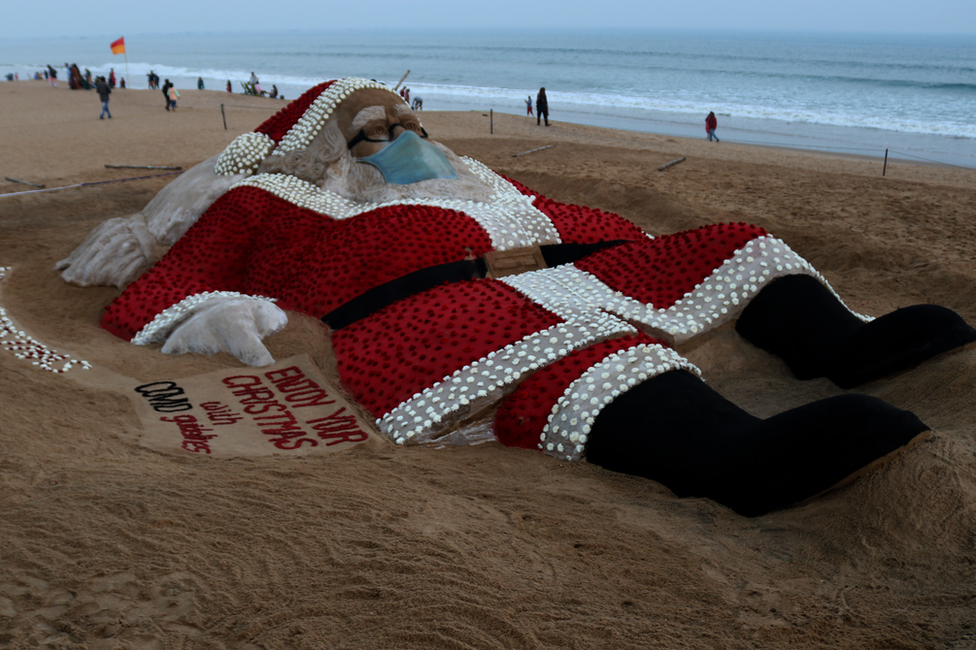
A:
[109,17]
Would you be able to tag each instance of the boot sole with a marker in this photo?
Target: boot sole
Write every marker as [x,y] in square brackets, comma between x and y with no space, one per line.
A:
[870,467]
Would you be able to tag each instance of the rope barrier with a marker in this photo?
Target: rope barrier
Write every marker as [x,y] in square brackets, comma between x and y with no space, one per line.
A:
[259,108]
[878,151]
[936,162]
[90,183]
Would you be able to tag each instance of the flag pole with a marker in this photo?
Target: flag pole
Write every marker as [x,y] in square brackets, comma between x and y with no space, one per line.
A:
[127,79]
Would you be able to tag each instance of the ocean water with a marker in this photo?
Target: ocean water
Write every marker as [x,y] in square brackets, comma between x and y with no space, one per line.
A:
[914,96]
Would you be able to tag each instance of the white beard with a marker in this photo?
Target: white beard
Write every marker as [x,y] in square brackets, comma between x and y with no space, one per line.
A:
[364,183]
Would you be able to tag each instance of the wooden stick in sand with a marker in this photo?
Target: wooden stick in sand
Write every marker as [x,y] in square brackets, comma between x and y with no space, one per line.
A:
[401,80]
[516,155]
[14,180]
[140,167]
[671,164]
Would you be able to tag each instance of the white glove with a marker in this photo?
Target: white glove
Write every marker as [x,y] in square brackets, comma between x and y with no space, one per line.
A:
[228,324]
[115,253]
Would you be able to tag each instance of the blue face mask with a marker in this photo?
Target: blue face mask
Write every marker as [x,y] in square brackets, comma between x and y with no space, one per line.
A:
[409,159]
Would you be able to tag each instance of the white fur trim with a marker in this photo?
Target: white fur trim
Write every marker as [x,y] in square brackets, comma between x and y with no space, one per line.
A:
[568,429]
[475,387]
[718,299]
[244,154]
[158,330]
[313,119]
[509,217]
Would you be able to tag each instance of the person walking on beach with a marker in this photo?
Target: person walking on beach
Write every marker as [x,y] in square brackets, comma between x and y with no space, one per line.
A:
[166,86]
[103,92]
[229,89]
[199,83]
[77,82]
[541,107]
[111,78]
[52,75]
[528,106]
[711,123]
[172,96]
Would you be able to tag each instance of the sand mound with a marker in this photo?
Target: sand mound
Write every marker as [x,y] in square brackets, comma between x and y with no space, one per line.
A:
[108,544]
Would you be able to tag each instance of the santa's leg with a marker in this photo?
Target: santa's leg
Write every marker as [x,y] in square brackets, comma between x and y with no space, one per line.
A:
[632,405]
[800,320]
[674,429]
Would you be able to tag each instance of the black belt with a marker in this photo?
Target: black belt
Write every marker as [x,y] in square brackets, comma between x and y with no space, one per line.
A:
[416,282]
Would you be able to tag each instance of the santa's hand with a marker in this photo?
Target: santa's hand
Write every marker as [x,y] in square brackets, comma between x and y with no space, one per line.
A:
[115,253]
[234,325]
[120,249]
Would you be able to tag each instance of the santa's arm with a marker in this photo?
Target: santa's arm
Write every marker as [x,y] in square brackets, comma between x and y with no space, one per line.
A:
[192,299]
[119,249]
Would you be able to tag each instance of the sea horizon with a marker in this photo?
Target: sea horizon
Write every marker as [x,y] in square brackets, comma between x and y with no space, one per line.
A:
[865,93]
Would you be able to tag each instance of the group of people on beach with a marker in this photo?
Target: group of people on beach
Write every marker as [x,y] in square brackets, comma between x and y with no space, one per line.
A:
[170,94]
[253,87]
[76,80]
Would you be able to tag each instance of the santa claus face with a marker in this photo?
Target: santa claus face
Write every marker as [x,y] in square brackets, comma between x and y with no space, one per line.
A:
[370,119]
[341,156]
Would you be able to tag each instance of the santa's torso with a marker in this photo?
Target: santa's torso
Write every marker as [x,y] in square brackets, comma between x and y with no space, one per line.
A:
[429,356]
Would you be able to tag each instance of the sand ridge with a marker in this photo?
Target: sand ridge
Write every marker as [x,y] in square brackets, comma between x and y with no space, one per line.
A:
[105,544]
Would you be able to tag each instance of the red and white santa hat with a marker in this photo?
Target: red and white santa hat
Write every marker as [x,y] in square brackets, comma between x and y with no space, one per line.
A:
[293,127]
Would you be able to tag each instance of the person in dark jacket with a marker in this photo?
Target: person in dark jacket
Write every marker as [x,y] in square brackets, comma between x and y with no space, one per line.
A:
[541,107]
[166,85]
[103,92]
[711,123]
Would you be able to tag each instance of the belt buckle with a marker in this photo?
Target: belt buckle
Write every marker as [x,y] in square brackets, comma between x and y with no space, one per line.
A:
[514,261]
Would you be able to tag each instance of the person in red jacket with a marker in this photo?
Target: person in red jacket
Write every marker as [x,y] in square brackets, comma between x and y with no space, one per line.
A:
[461,303]
[711,123]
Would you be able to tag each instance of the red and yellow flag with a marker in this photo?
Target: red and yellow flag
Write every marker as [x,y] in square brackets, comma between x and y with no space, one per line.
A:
[118,47]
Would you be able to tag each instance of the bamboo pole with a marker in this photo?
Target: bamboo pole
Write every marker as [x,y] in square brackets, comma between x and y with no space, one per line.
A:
[139,167]
[401,80]
[516,155]
[671,164]
[14,180]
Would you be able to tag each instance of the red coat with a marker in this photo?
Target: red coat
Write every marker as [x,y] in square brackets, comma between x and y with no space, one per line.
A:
[410,363]
[711,122]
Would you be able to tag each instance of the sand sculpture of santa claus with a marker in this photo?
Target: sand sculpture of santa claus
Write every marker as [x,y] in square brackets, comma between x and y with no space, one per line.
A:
[460,300]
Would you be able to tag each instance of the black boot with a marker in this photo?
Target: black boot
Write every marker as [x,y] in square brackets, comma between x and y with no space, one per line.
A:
[677,431]
[800,320]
